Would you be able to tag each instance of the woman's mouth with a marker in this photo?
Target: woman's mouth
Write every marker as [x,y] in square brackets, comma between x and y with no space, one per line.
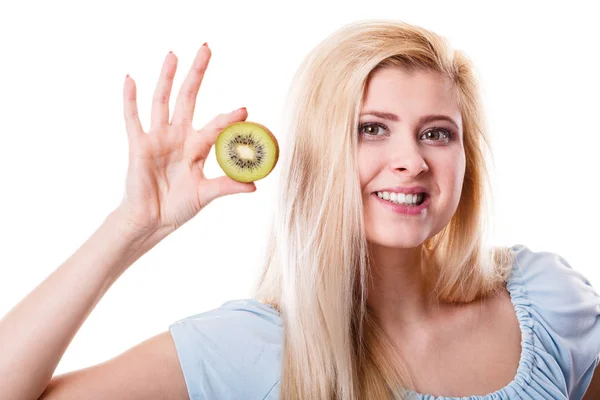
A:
[404,204]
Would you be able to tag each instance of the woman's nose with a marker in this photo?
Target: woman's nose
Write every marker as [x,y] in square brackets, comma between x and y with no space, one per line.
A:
[407,160]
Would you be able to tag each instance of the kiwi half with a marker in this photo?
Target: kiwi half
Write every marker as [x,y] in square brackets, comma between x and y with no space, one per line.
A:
[247,151]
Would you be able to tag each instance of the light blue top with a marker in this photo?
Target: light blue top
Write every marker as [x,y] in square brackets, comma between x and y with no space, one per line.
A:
[233,352]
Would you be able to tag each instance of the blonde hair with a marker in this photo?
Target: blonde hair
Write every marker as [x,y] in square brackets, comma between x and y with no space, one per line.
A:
[317,259]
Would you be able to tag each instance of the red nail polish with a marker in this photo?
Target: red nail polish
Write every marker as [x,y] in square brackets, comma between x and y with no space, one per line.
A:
[205,44]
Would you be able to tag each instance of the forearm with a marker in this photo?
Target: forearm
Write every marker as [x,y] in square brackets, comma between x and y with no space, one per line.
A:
[35,334]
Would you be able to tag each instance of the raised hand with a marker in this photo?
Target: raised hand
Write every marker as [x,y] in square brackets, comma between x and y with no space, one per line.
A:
[166,186]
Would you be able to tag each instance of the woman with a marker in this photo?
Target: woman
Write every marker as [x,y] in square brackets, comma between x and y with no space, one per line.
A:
[360,297]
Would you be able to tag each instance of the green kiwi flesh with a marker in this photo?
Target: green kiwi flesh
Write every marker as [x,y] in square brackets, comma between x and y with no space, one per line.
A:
[247,151]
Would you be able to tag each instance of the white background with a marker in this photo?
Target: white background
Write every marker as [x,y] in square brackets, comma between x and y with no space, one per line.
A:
[63,152]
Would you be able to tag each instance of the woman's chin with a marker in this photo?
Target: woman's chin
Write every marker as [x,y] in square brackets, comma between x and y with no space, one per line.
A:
[396,243]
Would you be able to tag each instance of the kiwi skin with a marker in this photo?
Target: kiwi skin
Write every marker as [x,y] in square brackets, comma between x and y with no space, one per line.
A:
[232,172]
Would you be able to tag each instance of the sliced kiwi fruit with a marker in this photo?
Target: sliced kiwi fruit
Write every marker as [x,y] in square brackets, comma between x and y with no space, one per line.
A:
[247,151]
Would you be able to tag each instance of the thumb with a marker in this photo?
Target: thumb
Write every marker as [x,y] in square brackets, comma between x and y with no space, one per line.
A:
[223,186]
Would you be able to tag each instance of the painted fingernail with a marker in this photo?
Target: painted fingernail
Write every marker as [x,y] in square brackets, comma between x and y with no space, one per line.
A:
[240,109]
[205,44]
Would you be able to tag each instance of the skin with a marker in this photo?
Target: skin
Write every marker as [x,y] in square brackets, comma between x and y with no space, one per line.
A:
[403,156]
[165,187]
[407,154]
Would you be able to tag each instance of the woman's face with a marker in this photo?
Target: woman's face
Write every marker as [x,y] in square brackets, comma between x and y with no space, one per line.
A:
[407,151]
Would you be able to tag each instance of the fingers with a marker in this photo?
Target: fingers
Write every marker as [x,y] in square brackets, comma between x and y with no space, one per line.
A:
[130,110]
[207,136]
[186,99]
[162,93]
[223,186]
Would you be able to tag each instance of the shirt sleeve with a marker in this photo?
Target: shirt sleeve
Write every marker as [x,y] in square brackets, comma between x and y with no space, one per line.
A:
[568,308]
[231,352]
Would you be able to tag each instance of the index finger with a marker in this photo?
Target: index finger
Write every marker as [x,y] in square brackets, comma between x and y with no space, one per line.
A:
[186,99]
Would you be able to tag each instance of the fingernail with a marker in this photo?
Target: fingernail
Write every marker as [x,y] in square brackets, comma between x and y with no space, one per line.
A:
[205,44]
[240,109]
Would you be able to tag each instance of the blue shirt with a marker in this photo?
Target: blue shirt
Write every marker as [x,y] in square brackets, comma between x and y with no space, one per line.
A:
[234,351]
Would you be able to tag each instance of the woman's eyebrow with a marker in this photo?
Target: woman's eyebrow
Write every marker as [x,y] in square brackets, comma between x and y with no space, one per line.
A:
[422,120]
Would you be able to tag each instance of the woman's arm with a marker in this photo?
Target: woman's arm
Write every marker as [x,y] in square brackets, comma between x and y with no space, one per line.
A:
[165,188]
[150,370]
[35,334]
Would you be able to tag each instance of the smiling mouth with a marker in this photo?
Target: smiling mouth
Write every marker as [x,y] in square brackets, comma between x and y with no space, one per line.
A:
[405,209]
[400,198]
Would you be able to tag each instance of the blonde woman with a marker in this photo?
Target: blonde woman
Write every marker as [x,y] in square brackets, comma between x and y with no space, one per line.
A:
[361,296]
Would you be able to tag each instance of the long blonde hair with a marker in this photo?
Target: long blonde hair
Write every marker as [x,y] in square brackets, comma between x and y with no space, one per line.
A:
[317,260]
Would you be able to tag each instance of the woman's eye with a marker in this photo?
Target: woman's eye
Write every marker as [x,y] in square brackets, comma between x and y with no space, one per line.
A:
[430,134]
[371,129]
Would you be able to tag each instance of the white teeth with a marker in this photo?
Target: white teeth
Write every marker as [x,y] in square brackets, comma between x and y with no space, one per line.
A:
[401,198]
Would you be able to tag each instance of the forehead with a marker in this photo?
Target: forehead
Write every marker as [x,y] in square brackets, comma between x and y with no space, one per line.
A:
[410,94]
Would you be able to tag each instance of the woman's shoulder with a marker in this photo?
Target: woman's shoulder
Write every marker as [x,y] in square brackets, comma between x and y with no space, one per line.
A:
[554,288]
[560,306]
[232,351]
[248,311]
[549,272]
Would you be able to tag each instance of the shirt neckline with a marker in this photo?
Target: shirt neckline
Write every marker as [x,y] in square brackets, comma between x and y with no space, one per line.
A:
[524,367]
